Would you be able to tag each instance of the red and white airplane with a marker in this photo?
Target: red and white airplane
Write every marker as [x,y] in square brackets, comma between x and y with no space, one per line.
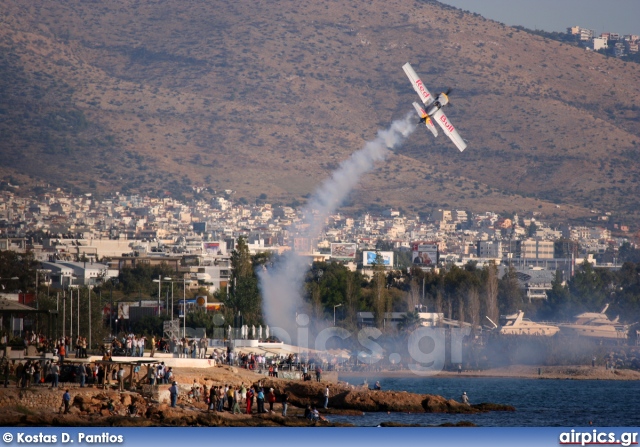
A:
[433,109]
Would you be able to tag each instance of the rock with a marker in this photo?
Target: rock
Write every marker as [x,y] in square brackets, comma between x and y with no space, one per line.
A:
[346,397]
[125,399]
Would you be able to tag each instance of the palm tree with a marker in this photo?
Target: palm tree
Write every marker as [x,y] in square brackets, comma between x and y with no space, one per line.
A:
[410,321]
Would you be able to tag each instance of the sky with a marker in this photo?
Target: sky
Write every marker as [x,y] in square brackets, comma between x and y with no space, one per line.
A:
[620,16]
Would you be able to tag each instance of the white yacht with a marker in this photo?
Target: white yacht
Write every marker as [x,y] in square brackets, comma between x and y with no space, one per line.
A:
[595,325]
[516,324]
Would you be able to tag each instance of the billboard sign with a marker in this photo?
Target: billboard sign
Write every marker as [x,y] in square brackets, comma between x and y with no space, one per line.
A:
[123,311]
[369,258]
[424,253]
[212,247]
[343,251]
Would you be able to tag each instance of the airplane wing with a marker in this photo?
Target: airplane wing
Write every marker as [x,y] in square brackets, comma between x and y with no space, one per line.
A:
[427,121]
[418,86]
[450,131]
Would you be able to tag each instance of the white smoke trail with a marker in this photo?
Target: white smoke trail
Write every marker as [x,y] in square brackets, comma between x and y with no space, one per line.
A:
[282,285]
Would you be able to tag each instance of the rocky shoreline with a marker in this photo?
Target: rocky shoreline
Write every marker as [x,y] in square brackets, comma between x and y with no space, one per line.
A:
[93,406]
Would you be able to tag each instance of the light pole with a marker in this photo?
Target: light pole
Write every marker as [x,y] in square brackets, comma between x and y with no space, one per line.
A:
[71,316]
[159,281]
[334,313]
[184,307]
[89,290]
[171,280]
[64,313]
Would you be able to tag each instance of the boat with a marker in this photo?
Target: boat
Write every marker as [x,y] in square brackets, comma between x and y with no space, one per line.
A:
[517,324]
[595,325]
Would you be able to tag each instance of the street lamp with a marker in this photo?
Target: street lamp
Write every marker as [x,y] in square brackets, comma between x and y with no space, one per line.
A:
[184,298]
[159,281]
[171,280]
[334,313]
[184,305]
[113,282]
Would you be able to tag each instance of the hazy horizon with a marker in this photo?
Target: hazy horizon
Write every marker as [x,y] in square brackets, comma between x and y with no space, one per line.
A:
[619,16]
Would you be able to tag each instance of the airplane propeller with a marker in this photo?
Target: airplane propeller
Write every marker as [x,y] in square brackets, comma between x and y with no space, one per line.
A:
[449,90]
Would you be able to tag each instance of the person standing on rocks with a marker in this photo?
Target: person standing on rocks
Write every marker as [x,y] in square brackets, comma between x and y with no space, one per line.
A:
[249,399]
[260,397]
[318,373]
[121,379]
[236,400]
[66,399]
[326,397]
[195,390]
[243,392]
[173,392]
[83,375]
[213,397]
[36,373]
[271,398]
[222,395]
[465,398]
[5,368]
[231,397]
[285,403]
[100,375]
[55,375]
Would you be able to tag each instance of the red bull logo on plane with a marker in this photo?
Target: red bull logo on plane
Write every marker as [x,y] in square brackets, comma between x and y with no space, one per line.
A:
[425,93]
[447,125]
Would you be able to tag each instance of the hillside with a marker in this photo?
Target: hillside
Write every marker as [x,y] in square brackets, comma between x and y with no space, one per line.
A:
[269,97]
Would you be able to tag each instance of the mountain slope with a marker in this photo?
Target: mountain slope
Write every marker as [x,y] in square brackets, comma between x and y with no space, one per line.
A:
[268,97]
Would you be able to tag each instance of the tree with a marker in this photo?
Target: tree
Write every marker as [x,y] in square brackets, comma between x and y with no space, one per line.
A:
[629,254]
[588,288]
[558,304]
[380,296]
[413,295]
[439,305]
[352,297]
[245,294]
[491,292]
[17,265]
[315,299]
[510,295]
[473,307]
[409,322]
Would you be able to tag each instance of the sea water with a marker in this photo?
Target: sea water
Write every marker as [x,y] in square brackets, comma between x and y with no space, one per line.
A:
[538,402]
